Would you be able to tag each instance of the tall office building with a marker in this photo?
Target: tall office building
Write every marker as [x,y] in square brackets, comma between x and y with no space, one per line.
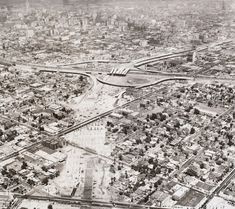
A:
[27,6]
[223,5]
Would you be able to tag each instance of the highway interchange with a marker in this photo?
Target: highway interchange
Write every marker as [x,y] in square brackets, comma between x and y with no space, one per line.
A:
[132,68]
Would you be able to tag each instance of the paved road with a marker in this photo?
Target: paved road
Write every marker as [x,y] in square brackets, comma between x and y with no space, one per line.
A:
[14,154]
[88,185]
[102,115]
[192,158]
[134,63]
[142,62]
[149,60]
[87,202]
[220,187]
[82,124]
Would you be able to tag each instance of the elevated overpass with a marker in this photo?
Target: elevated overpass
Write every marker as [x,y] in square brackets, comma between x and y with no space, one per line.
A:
[149,60]
[124,69]
[152,59]
[92,61]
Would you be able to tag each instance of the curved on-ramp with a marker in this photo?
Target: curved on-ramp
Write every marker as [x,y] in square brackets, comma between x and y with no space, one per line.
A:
[144,85]
[161,81]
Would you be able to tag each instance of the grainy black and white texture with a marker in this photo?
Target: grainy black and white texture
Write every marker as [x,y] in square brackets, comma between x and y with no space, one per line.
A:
[117,104]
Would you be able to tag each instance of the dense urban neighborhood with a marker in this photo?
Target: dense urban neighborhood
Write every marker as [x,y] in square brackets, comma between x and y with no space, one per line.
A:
[117,104]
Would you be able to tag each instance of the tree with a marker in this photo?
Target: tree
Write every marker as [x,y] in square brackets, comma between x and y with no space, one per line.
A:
[44,168]
[115,130]
[126,174]
[112,169]
[157,183]
[76,92]
[177,124]
[188,109]
[192,131]
[230,143]
[124,130]
[24,165]
[148,139]
[202,166]
[81,78]
[209,104]
[141,152]
[57,173]
[150,161]
[153,116]
[120,157]
[4,186]
[218,162]
[1,132]
[138,141]
[45,181]
[162,117]
[142,105]
[231,165]
[30,182]
[51,176]
[110,124]
[158,170]
[41,128]
[50,206]
[196,111]
[4,172]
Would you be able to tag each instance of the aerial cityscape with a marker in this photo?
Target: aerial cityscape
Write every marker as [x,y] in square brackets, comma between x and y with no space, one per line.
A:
[123,104]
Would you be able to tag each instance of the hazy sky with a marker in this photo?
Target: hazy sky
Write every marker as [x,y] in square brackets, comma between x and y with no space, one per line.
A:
[190,4]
